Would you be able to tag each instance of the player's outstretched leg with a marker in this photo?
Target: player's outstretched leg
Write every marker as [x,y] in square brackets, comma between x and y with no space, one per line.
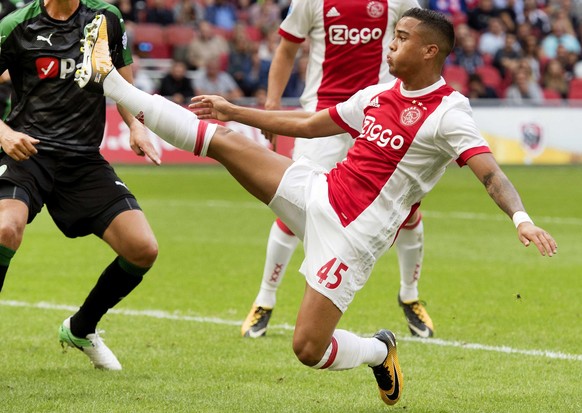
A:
[92,345]
[173,123]
[388,374]
[96,58]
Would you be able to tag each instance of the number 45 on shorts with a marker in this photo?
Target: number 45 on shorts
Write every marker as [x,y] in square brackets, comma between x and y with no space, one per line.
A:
[336,268]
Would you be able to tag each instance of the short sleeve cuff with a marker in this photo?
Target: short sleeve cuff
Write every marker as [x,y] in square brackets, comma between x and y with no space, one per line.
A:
[335,116]
[469,153]
[290,37]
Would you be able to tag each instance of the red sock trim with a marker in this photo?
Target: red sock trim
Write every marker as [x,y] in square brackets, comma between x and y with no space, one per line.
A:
[333,354]
[284,227]
[414,224]
[200,133]
[404,224]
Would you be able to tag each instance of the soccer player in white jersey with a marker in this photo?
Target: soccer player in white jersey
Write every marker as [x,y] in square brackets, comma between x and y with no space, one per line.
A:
[406,133]
[348,44]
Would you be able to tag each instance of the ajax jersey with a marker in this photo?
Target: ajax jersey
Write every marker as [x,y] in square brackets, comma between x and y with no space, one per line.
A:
[348,45]
[403,143]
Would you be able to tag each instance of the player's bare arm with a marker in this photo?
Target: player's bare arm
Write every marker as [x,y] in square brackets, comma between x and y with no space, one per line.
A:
[282,122]
[139,139]
[279,74]
[502,191]
[19,146]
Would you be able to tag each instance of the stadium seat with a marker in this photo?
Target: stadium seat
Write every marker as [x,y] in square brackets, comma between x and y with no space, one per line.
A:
[150,40]
[224,58]
[179,34]
[456,76]
[254,33]
[491,77]
[551,94]
[225,33]
[575,89]
[178,37]
[458,18]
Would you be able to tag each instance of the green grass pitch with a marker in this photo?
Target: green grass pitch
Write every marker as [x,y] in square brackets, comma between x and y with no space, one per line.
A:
[508,321]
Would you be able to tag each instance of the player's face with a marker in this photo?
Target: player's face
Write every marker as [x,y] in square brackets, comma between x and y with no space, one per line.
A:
[406,49]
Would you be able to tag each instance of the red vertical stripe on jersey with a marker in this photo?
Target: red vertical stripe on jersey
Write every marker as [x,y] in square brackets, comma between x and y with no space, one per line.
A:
[356,182]
[353,38]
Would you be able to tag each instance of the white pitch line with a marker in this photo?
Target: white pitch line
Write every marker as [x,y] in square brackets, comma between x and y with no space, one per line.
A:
[215,320]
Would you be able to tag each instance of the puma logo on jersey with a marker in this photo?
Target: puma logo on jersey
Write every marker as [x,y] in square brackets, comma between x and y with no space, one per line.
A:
[45,39]
[332,13]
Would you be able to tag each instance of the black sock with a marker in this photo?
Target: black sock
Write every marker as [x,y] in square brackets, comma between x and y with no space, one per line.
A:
[3,269]
[117,281]
[6,255]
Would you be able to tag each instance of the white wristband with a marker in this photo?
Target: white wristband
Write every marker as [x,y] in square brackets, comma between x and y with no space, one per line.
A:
[520,217]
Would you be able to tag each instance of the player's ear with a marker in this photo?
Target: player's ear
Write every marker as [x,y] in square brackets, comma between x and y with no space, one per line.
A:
[431,51]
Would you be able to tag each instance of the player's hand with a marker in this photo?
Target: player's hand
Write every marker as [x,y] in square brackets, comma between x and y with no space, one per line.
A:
[528,232]
[211,107]
[141,144]
[19,146]
[270,136]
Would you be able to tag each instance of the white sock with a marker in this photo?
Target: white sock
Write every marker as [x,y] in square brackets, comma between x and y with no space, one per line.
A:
[347,351]
[171,122]
[280,248]
[409,246]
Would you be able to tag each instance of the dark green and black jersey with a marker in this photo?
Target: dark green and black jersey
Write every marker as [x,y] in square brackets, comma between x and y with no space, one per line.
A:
[41,55]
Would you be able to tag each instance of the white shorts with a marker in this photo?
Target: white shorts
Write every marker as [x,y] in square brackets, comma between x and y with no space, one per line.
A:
[324,151]
[337,264]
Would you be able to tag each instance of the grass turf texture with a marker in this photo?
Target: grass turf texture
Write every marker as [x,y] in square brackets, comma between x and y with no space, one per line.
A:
[482,286]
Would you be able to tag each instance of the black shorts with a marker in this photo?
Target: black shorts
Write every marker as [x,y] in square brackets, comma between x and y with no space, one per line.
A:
[82,193]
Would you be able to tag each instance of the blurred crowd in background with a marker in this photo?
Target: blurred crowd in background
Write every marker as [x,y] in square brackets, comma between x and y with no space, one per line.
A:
[522,51]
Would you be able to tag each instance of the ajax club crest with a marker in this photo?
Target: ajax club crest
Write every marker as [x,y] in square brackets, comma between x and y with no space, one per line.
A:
[410,116]
[375,9]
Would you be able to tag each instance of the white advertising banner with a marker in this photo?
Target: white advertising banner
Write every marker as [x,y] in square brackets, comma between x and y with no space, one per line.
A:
[532,135]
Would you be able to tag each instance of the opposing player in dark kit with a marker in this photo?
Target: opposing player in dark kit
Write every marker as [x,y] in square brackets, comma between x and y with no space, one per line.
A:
[50,156]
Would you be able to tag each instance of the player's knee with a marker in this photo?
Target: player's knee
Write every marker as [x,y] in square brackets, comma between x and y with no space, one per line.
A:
[11,233]
[308,352]
[150,253]
[145,254]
